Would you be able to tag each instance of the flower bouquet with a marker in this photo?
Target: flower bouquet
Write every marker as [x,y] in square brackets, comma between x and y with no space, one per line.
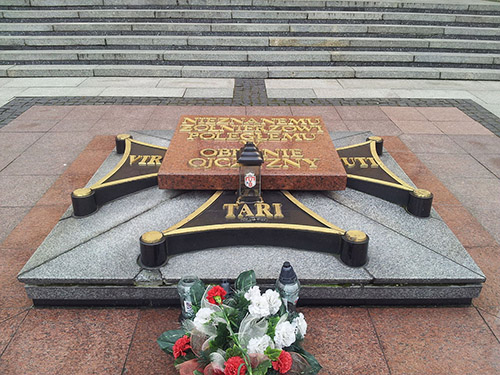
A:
[239,333]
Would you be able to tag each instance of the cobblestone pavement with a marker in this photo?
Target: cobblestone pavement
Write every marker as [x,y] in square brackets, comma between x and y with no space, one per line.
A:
[50,145]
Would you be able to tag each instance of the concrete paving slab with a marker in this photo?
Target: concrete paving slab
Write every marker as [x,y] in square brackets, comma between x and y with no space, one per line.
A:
[203,55]
[29,188]
[208,93]
[4,99]
[120,55]
[137,71]
[420,84]
[291,93]
[3,81]
[432,93]
[62,91]
[310,72]
[119,82]
[490,162]
[224,72]
[45,82]
[355,93]
[446,166]
[417,127]
[51,71]
[13,145]
[462,127]
[49,156]
[396,72]
[143,91]
[473,74]
[302,84]
[91,26]
[438,144]
[39,55]
[482,144]
[10,217]
[488,96]
[219,83]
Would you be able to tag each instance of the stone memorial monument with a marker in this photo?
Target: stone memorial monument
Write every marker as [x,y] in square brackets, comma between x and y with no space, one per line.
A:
[238,193]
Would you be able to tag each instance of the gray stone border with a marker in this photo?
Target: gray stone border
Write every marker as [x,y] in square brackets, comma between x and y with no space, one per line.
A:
[251,92]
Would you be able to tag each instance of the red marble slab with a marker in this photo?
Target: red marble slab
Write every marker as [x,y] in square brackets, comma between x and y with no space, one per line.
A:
[298,153]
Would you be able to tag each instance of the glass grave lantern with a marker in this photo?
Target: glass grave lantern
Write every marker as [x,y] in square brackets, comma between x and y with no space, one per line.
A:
[250,160]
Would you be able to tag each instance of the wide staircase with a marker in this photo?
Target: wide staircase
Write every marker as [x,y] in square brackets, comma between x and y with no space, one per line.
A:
[441,39]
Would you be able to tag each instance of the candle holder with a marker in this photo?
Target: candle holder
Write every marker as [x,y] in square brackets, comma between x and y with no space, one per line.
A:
[250,160]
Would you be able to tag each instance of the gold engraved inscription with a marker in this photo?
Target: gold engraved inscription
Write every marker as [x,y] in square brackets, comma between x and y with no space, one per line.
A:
[260,210]
[280,158]
[251,129]
[145,160]
[361,162]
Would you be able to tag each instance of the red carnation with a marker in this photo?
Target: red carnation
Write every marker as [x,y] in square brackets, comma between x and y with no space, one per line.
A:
[216,295]
[284,362]
[233,364]
[181,346]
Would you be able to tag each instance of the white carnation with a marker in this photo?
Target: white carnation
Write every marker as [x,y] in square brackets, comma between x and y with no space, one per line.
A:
[253,293]
[300,324]
[259,344]
[202,317]
[259,307]
[274,301]
[284,334]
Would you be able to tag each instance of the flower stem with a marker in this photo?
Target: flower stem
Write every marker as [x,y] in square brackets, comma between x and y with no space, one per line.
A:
[245,356]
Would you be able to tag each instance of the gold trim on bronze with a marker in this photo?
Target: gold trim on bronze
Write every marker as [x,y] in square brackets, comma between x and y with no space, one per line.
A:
[128,147]
[312,213]
[381,182]
[197,212]
[205,228]
[400,183]
[152,237]
[422,193]
[356,236]
[177,228]
[375,138]
[373,151]
[353,146]
[82,192]
[122,137]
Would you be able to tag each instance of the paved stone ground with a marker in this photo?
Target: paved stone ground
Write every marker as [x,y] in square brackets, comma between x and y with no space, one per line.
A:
[48,149]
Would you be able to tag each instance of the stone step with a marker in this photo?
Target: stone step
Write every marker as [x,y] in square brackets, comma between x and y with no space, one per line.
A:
[248,72]
[234,14]
[247,28]
[173,56]
[217,42]
[444,5]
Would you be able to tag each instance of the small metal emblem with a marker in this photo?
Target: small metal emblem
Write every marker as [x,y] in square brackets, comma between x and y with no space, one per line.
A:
[250,180]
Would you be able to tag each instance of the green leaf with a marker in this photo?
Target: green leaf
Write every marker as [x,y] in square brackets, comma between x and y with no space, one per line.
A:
[240,367]
[168,339]
[238,308]
[262,368]
[220,341]
[234,352]
[315,366]
[196,372]
[197,291]
[245,280]
[273,354]
[189,356]
[271,326]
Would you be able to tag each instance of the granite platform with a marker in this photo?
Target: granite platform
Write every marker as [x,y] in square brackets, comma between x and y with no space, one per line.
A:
[93,260]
